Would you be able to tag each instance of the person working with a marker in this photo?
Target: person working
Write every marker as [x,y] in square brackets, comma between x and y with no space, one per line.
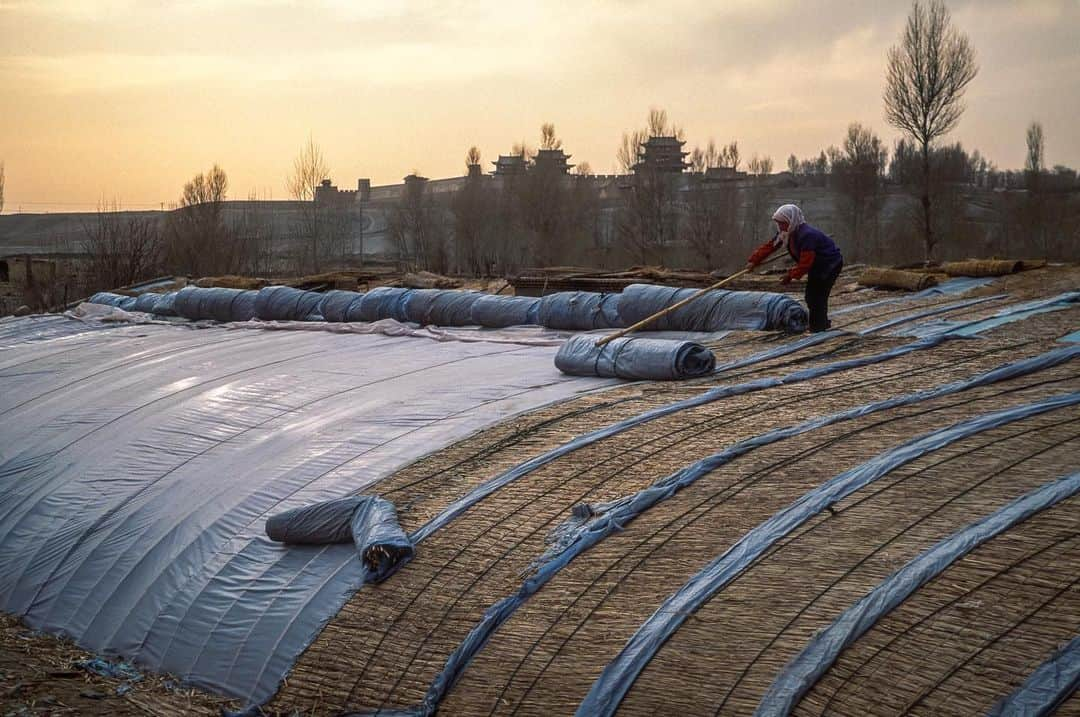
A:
[817,256]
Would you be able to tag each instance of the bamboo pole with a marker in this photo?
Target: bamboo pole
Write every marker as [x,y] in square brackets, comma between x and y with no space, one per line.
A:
[649,319]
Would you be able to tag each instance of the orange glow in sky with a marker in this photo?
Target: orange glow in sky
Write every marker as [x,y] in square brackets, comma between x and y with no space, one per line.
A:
[127,99]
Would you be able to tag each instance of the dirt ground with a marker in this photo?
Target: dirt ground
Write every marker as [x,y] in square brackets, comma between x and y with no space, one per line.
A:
[40,675]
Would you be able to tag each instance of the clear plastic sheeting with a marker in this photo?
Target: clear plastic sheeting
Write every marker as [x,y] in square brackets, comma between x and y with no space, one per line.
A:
[367,521]
[634,358]
[105,298]
[499,312]
[609,689]
[803,672]
[284,303]
[1045,689]
[441,307]
[341,306]
[716,310]
[580,311]
[138,466]
[217,304]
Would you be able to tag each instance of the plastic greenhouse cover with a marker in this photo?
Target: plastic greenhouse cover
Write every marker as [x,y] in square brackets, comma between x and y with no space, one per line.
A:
[502,311]
[336,305]
[619,674]
[803,672]
[140,462]
[632,357]
[955,286]
[216,303]
[718,309]
[1045,689]
[1009,314]
[592,524]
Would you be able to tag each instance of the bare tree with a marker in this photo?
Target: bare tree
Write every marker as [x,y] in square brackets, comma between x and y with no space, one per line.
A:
[121,249]
[309,170]
[629,148]
[927,75]
[856,171]
[548,140]
[472,157]
[1036,150]
[710,206]
[760,168]
[729,156]
[197,238]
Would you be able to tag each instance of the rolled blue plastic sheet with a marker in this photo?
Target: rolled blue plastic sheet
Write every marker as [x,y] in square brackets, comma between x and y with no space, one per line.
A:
[806,668]
[106,298]
[634,358]
[336,305]
[714,311]
[284,303]
[1007,315]
[384,302]
[619,674]
[369,522]
[498,312]
[146,302]
[580,311]
[164,306]
[1045,689]
[217,303]
[590,524]
[441,307]
[954,286]
[1073,338]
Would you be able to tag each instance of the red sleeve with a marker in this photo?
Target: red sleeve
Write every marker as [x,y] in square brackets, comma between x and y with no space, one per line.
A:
[806,260]
[762,252]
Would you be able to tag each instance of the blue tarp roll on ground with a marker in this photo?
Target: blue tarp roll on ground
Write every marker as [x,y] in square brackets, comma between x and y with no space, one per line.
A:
[106,298]
[284,303]
[164,306]
[619,674]
[336,305]
[215,303]
[384,302]
[369,522]
[1045,689]
[498,312]
[715,311]
[634,358]
[146,302]
[803,672]
[441,307]
[580,311]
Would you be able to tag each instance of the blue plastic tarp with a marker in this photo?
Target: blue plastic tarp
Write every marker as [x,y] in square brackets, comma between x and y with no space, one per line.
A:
[368,522]
[499,312]
[634,358]
[217,304]
[284,303]
[1009,314]
[619,674]
[580,311]
[715,311]
[105,298]
[340,306]
[139,463]
[441,307]
[1045,689]
[384,302]
[803,672]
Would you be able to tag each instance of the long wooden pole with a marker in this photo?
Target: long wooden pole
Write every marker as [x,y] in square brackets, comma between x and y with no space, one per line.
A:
[667,310]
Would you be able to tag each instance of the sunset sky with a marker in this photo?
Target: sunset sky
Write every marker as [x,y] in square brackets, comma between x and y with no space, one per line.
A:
[126,99]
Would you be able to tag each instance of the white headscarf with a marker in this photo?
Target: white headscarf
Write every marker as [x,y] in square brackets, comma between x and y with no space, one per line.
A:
[794,218]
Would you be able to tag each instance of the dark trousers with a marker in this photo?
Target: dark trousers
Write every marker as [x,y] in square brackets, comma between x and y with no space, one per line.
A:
[817,298]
